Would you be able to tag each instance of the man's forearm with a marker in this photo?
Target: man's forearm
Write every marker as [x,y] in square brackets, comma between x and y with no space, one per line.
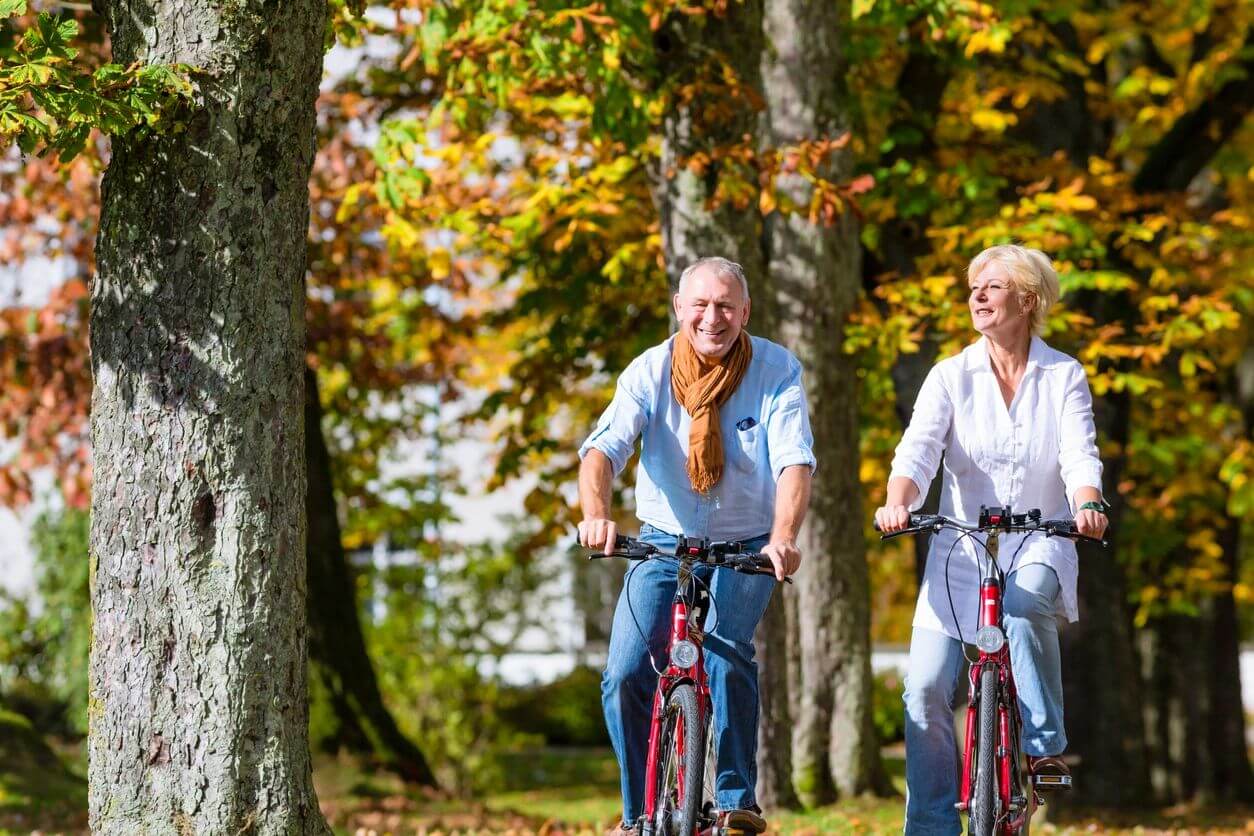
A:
[596,478]
[792,498]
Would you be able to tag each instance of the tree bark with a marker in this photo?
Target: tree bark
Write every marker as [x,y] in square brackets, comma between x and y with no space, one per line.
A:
[815,275]
[1100,661]
[339,667]
[198,704]
[706,118]
[775,718]
[1231,779]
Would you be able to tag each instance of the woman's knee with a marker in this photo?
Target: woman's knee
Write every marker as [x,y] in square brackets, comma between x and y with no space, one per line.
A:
[928,695]
[1032,593]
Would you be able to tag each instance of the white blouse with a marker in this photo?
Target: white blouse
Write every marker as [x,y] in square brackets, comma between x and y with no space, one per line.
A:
[1035,454]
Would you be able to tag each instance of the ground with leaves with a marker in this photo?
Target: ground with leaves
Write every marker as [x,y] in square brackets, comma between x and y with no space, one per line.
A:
[551,792]
[574,792]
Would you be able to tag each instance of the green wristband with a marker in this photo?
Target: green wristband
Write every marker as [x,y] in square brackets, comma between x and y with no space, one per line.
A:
[1099,507]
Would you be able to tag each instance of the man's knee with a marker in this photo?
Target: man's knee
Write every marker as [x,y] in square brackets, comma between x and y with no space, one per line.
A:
[627,672]
[725,658]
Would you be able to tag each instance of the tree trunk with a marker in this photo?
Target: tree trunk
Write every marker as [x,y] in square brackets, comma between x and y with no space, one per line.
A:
[815,275]
[1195,724]
[1103,706]
[198,705]
[707,117]
[775,720]
[341,675]
[1231,779]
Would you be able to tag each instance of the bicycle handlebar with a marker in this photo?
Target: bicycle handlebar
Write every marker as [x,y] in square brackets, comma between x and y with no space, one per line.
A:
[1021,523]
[722,555]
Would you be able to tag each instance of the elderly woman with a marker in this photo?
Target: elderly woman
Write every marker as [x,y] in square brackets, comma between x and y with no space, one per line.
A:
[1014,421]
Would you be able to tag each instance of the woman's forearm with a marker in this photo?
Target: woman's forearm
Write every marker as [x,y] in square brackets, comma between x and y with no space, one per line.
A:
[1086,494]
[901,491]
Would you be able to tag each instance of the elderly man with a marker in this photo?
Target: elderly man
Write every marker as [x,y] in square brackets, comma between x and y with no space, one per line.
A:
[726,455]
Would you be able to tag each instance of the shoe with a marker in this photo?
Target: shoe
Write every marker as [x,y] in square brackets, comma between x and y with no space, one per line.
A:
[741,822]
[622,829]
[1049,773]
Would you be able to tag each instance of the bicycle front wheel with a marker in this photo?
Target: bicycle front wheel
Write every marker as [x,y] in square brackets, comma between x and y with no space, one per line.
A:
[982,815]
[680,775]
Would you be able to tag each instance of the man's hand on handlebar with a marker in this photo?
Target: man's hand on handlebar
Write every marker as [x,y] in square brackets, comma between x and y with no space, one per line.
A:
[785,557]
[892,518]
[598,534]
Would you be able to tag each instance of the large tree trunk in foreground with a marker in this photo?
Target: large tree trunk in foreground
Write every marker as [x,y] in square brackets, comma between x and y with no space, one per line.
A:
[198,670]
[341,676]
[815,275]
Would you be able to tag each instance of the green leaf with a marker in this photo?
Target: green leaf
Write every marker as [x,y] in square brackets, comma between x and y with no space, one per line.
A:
[12,8]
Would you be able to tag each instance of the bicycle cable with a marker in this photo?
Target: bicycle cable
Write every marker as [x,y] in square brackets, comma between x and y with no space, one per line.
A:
[639,631]
[953,611]
[648,649]
[1002,576]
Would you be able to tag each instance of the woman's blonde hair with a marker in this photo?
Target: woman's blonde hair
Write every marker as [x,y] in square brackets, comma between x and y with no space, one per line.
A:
[1030,271]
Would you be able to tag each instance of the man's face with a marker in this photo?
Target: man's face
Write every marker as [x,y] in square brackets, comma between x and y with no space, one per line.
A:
[712,310]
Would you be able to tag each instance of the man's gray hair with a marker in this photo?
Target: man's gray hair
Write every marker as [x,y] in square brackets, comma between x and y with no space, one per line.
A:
[726,268]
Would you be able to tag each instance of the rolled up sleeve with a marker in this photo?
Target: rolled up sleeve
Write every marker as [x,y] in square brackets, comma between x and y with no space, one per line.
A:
[622,422]
[789,439]
[919,453]
[1078,459]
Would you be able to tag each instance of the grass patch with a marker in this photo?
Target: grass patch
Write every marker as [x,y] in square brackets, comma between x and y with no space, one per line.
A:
[37,790]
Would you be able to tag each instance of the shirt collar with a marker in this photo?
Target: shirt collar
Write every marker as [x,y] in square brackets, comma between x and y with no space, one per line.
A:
[977,355]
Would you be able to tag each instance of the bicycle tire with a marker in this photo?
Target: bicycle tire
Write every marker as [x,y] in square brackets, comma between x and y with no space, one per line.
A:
[677,813]
[982,816]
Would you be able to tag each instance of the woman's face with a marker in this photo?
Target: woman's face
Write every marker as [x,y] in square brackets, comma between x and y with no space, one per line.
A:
[996,309]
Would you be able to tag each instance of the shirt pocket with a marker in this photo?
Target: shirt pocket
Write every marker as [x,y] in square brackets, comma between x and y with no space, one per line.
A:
[745,447]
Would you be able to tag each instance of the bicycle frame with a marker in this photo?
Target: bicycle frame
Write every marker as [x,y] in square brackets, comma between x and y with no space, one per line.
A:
[685,668]
[688,611]
[1008,754]
[1017,790]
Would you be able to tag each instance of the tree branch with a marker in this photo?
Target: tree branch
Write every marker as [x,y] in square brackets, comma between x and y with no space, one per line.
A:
[1194,140]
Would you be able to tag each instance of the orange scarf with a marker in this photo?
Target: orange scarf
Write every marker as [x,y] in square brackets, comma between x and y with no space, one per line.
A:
[701,386]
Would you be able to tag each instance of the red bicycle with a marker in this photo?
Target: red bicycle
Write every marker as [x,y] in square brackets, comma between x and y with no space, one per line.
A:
[678,797]
[998,791]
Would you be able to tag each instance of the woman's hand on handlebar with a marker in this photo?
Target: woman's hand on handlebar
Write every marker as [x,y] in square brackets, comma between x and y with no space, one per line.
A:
[1091,523]
[598,534]
[890,518]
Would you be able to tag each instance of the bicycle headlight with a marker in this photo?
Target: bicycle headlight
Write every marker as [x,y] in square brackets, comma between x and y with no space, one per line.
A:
[990,639]
[684,654]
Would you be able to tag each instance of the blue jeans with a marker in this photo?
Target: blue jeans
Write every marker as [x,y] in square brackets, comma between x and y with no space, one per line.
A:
[932,679]
[627,688]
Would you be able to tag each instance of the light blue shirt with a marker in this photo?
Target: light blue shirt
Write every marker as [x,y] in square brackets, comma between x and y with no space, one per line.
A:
[765,426]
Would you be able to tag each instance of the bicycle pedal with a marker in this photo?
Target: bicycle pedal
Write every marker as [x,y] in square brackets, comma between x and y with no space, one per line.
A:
[1049,783]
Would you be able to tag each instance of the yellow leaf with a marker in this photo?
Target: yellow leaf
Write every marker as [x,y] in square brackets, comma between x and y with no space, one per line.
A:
[766,201]
[440,264]
[990,119]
